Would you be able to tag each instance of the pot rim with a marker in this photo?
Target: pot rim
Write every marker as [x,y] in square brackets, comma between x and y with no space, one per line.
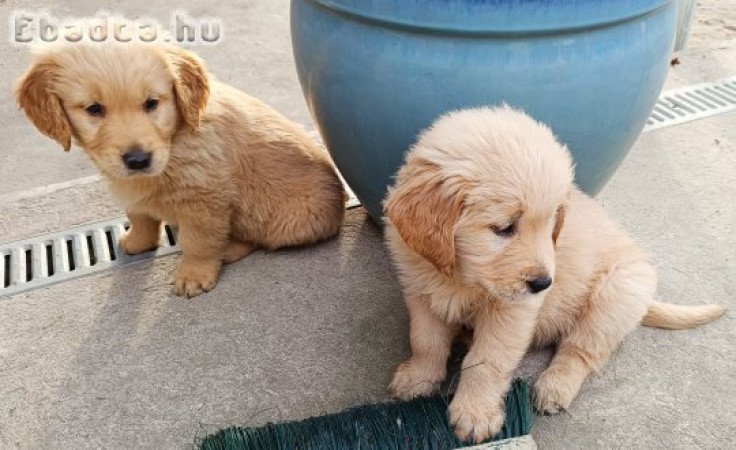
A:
[494,17]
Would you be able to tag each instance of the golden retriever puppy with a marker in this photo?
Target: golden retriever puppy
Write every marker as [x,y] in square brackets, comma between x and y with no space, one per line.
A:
[488,232]
[177,146]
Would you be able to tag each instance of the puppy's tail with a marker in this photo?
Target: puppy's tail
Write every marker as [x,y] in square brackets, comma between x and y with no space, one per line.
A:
[680,317]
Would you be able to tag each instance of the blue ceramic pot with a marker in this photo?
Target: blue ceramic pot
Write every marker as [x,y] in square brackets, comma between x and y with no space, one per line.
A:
[377,72]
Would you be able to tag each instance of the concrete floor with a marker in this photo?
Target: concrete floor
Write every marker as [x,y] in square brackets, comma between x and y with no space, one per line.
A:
[114,361]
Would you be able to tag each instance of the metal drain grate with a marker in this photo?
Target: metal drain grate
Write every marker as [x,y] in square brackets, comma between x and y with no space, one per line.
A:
[693,102]
[53,258]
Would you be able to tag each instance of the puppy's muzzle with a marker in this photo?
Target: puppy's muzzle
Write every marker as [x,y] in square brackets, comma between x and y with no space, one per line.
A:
[538,284]
[137,159]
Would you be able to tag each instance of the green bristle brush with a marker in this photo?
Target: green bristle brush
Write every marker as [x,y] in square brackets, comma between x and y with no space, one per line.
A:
[415,424]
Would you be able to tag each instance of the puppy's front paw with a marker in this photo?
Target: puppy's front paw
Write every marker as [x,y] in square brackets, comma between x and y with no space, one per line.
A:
[415,379]
[133,243]
[192,280]
[552,393]
[476,418]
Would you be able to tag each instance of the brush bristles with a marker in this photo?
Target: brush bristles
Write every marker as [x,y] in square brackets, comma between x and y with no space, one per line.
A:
[416,424]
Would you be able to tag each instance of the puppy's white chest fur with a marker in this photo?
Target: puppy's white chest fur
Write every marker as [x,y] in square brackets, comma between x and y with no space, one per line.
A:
[456,304]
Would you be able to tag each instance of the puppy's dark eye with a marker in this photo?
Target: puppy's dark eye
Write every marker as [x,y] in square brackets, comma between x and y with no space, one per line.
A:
[95,109]
[506,231]
[150,104]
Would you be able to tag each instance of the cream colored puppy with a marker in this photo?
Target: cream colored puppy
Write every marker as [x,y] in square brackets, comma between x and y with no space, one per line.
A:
[488,232]
[177,146]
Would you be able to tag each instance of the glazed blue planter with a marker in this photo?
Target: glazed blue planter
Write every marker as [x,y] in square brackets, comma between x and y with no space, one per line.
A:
[377,72]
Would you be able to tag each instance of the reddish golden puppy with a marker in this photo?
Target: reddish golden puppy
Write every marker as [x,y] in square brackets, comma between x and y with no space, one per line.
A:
[177,146]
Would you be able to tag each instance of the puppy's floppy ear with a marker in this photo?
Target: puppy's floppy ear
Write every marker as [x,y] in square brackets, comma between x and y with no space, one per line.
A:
[191,85]
[35,95]
[425,209]
[559,222]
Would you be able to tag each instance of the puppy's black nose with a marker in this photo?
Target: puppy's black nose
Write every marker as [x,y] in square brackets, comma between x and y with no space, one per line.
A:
[137,159]
[538,284]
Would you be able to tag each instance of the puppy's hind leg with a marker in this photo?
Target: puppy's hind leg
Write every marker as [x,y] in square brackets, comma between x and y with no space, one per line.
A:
[431,340]
[237,250]
[614,308]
